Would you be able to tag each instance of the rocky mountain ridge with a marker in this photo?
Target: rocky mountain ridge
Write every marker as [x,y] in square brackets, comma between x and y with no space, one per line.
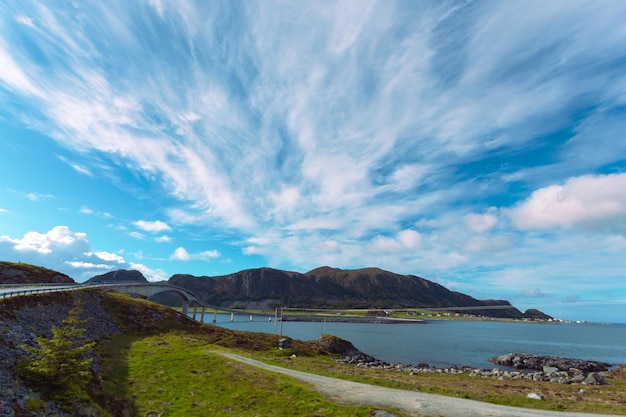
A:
[327,287]
[121,275]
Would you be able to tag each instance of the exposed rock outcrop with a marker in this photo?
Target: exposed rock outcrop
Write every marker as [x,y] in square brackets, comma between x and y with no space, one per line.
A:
[539,363]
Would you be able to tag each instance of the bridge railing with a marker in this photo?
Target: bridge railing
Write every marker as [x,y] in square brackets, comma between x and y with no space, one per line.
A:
[37,290]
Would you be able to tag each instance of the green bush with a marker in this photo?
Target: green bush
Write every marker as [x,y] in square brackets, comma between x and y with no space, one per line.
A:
[59,366]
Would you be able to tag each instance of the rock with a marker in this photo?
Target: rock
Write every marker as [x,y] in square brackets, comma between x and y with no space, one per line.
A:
[594,378]
[382,413]
[550,369]
[534,396]
[538,362]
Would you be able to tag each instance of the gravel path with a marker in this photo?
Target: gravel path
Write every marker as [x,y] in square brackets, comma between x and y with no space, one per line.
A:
[410,402]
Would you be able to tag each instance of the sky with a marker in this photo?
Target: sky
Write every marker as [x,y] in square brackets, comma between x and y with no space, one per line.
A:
[480,145]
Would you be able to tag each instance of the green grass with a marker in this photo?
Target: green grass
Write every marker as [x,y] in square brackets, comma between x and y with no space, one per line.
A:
[175,374]
[604,399]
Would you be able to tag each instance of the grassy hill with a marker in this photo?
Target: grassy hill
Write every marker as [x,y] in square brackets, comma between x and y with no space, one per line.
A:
[19,273]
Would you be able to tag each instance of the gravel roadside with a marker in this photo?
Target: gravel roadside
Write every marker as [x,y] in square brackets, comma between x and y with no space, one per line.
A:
[410,402]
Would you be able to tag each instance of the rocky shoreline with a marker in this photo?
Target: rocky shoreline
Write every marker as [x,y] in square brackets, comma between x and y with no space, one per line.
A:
[525,366]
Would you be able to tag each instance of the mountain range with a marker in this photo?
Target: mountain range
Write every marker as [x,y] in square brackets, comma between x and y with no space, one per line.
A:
[327,287]
[324,287]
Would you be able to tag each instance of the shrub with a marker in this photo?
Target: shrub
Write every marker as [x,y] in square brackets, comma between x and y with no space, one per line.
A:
[60,365]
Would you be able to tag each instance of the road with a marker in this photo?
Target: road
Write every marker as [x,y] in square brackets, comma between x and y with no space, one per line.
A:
[410,402]
[12,290]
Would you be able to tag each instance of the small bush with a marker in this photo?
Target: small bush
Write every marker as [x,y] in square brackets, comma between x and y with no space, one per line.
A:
[59,366]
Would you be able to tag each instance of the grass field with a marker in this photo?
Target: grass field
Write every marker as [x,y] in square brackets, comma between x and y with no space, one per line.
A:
[176,375]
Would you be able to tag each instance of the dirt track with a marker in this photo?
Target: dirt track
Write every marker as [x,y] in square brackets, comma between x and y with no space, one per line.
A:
[410,402]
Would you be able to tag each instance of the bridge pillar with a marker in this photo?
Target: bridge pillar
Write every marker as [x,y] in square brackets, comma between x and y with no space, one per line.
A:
[195,308]
[232,317]
[185,307]
[202,315]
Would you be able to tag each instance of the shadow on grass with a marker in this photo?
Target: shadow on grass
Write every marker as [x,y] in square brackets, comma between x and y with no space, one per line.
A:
[110,389]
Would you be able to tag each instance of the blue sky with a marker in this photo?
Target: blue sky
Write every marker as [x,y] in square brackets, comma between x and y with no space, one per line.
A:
[480,145]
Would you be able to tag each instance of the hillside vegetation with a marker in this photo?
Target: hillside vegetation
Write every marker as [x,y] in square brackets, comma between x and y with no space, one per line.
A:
[19,273]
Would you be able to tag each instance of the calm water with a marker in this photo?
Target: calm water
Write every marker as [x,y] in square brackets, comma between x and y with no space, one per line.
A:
[463,343]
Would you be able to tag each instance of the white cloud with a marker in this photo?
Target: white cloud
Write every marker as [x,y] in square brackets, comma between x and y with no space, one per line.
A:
[87,265]
[86,210]
[181,254]
[13,73]
[38,196]
[25,20]
[407,177]
[162,239]
[481,223]
[409,239]
[403,241]
[150,274]
[3,210]
[59,238]
[598,202]
[60,249]
[252,250]
[137,235]
[81,169]
[153,227]
[111,257]
[487,244]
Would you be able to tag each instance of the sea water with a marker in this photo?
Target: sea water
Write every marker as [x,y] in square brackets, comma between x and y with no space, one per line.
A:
[444,343]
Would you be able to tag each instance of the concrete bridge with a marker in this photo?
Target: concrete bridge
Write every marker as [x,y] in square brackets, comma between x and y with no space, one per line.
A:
[147,290]
[141,289]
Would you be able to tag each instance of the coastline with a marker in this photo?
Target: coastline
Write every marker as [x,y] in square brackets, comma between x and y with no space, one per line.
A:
[348,319]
